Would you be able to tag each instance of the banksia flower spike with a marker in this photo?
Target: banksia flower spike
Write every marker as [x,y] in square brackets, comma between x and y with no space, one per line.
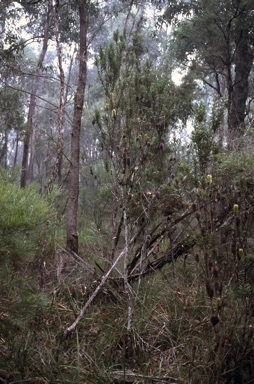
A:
[209,179]
[218,303]
[240,252]
[112,99]
[235,208]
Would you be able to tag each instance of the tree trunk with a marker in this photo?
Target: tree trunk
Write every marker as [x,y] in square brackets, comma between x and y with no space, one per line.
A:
[61,101]
[243,64]
[64,103]
[16,149]
[4,150]
[72,206]
[32,104]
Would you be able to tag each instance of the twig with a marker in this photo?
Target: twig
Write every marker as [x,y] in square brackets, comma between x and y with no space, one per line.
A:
[166,379]
[72,327]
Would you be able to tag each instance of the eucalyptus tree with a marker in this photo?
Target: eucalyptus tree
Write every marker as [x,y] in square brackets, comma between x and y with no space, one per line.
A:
[88,12]
[214,39]
[72,208]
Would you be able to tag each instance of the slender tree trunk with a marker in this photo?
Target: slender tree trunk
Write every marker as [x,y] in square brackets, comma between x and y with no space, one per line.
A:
[72,206]
[30,173]
[32,105]
[64,103]
[243,64]
[4,150]
[16,149]
[61,100]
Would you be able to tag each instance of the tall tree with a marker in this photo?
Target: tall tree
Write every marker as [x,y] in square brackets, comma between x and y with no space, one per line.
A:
[72,207]
[243,60]
[57,164]
[215,40]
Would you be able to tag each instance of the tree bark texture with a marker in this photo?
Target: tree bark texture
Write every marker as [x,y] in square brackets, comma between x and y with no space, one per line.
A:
[243,63]
[72,206]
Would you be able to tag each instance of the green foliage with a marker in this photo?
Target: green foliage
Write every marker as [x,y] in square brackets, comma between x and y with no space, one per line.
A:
[214,19]
[11,110]
[25,220]
[135,132]
[20,301]
[207,41]
[204,134]
[24,216]
[110,61]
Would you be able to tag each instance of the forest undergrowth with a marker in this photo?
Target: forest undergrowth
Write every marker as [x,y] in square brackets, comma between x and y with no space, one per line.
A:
[173,339]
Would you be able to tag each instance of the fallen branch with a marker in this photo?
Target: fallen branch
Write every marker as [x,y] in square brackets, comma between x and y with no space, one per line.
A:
[73,326]
[179,250]
[133,376]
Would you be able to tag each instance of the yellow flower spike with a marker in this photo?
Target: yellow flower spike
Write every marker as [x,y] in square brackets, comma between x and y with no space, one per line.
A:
[218,303]
[107,106]
[240,252]
[112,99]
[209,179]
[113,113]
[235,208]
